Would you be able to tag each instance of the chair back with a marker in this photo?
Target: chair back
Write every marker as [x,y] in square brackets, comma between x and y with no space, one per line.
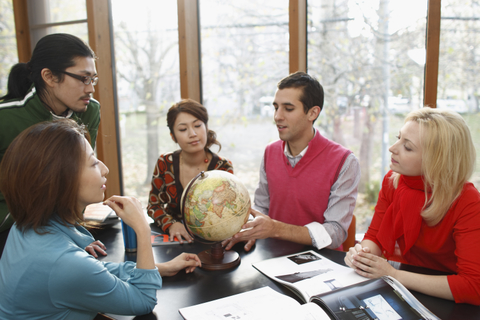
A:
[350,241]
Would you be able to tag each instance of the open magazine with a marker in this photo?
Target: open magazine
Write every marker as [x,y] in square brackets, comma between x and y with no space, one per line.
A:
[329,290]
[308,273]
[383,299]
[259,304]
[379,299]
[341,292]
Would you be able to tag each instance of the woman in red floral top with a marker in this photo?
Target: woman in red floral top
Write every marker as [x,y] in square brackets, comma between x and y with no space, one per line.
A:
[188,124]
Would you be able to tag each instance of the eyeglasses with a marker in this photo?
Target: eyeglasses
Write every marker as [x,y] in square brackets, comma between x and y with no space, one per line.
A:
[85,79]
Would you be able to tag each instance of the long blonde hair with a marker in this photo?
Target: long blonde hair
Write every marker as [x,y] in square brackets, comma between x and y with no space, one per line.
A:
[448,159]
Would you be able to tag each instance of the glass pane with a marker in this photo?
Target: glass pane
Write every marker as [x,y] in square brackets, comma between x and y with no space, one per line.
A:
[148,80]
[54,11]
[41,12]
[458,80]
[8,43]
[79,29]
[244,54]
[367,55]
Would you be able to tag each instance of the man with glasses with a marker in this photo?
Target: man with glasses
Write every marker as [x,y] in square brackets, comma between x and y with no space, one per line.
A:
[57,82]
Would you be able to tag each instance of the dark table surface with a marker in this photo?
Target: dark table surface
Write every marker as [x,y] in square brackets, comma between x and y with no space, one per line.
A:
[183,290]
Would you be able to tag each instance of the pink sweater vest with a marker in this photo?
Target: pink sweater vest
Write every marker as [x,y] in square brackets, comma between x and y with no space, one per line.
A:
[300,195]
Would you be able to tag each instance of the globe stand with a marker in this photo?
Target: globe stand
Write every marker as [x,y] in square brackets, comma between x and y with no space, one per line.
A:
[218,259]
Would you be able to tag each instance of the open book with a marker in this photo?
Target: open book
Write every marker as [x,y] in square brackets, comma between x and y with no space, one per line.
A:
[341,292]
[323,285]
[308,273]
[379,299]
[383,299]
[259,304]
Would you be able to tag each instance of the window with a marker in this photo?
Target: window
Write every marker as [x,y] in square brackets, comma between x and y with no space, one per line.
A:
[244,50]
[458,80]
[367,55]
[8,43]
[146,52]
[57,16]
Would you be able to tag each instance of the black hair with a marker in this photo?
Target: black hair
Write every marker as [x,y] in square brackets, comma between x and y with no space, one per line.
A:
[55,52]
[312,90]
[198,111]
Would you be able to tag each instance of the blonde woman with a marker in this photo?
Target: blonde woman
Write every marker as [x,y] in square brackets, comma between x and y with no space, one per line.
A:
[427,214]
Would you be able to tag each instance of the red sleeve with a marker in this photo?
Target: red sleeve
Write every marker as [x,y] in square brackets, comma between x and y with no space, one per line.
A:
[159,195]
[385,198]
[465,284]
[224,164]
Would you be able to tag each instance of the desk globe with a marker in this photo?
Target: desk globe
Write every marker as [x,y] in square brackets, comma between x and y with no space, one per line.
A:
[215,205]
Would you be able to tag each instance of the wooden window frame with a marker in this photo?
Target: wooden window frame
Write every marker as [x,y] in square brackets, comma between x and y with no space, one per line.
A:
[101,35]
[99,28]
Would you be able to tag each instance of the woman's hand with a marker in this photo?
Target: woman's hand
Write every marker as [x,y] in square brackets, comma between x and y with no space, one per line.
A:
[368,264]
[352,252]
[187,261]
[96,246]
[130,210]
[178,230]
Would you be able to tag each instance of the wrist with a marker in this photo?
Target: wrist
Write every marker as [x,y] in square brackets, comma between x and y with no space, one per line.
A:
[276,231]
[142,231]
[159,267]
[393,272]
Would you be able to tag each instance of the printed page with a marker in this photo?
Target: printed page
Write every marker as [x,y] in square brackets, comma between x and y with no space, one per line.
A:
[373,299]
[259,304]
[308,273]
[410,298]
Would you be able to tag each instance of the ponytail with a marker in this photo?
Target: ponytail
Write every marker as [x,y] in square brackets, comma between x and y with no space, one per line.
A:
[19,82]
[212,139]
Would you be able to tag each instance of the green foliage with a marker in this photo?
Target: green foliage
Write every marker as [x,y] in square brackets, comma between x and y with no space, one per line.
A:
[371,191]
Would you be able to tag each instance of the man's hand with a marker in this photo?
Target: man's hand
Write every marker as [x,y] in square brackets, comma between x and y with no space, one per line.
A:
[96,246]
[261,227]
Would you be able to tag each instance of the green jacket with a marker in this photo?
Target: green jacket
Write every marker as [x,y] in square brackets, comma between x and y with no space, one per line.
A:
[18,114]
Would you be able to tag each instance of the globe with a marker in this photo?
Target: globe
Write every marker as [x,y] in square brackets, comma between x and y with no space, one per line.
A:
[215,205]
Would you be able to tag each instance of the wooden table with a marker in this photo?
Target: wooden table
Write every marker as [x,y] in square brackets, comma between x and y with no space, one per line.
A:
[185,290]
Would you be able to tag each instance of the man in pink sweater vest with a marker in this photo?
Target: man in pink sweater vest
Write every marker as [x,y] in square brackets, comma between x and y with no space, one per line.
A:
[308,184]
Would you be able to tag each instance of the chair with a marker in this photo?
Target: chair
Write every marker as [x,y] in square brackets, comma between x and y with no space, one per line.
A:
[350,241]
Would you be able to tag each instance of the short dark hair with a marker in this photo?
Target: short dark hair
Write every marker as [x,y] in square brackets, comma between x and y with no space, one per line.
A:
[40,173]
[55,52]
[198,111]
[312,90]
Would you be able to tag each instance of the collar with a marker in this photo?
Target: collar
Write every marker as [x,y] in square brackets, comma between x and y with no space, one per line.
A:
[287,153]
[68,115]
[76,233]
[415,182]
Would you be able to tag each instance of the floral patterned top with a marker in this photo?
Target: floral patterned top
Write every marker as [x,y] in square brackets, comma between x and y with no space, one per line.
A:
[164,199]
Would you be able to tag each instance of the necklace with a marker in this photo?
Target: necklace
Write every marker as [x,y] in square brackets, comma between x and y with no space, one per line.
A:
[198,168]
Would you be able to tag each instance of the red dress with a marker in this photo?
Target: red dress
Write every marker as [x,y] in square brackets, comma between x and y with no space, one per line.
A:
[166,191]
[450,246]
